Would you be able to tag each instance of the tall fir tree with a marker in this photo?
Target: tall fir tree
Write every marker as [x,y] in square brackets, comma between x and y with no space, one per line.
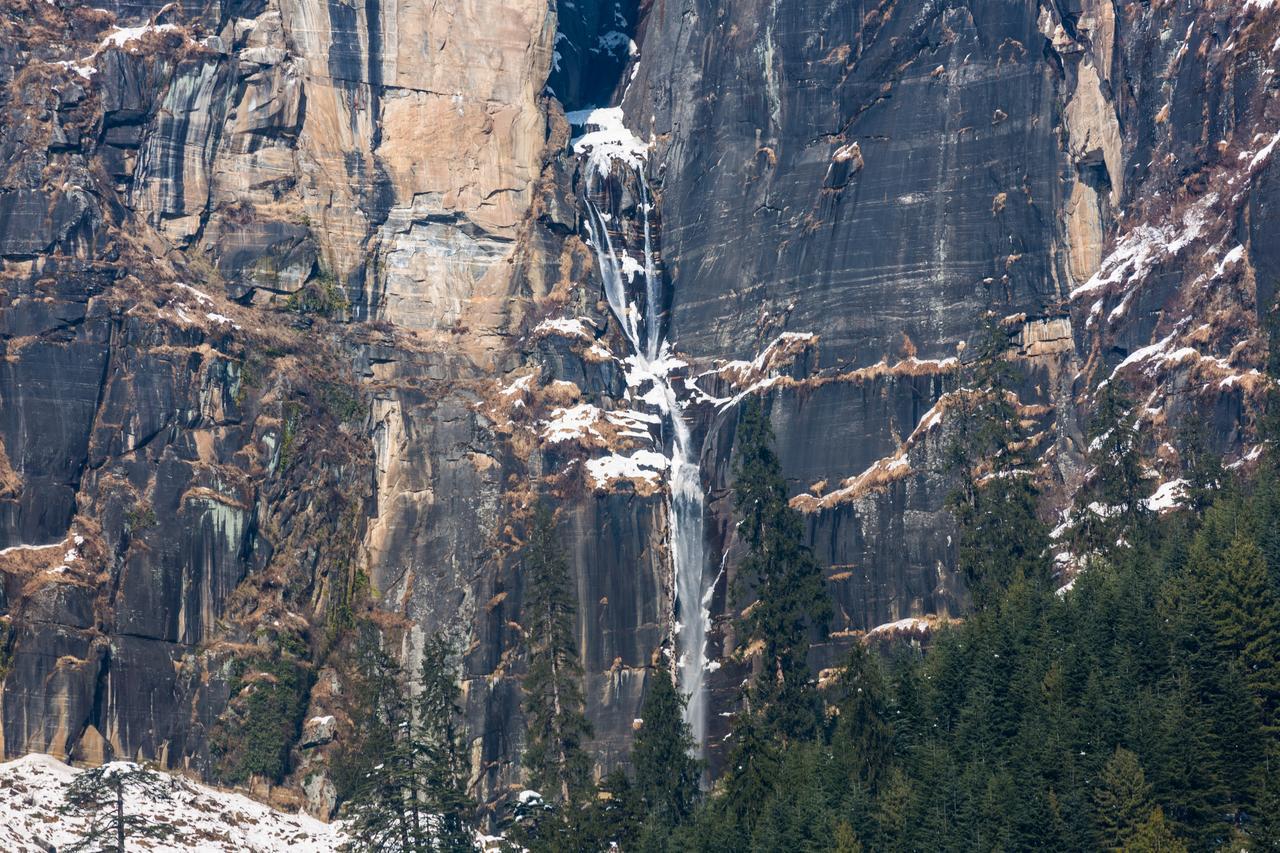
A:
[863,740]
[373,767]
[1121,801]
[1154,835]
[556,725]
[994,501]
[437,729]
[1245,611]
[405,766]
[791,603]
[667,775]
[1111,507]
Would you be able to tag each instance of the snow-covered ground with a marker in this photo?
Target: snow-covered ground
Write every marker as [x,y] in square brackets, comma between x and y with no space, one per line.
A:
[207,820]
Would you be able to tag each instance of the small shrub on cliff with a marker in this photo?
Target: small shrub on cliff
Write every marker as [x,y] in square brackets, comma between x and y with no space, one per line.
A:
[269,702]
[343,402]
[323,295]
[140,518]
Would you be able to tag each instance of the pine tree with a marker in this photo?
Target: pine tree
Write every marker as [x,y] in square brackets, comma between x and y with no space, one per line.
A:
[405,767]
[752,772]
[1245,611]
[100,795]
[372,770]
[554,754]
[438,738]
[791,600]
[796,814]
[1122,800]
[667,775]
[862,744]
[1154,835]
[994,501]
[1202,466]
[846,840]
[1111,507]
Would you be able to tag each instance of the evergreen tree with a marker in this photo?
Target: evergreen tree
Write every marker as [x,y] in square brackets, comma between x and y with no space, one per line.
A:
[1154,835]
[754,761]
[405,768]
[556,725]
[667,775]
[994,502]
[1122,800]
[1202,465]
[372,771]
[438,738]
[846,840]
[1111,506]
[862,743]
[1006,732]
[791,599]
[1245,611]
[796,814]
[100,795]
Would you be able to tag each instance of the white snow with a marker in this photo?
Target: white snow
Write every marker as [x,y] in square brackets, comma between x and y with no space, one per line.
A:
[1144,353]
[519,386]
[642,465]
[85,71]
[1262,155]
[1228,260]
[574,422]
[1103,510]
[609,140]
[1168,496]
[631,267]
[1137,252]
[11,548]
[213,821]
[569,327]
[121,36]
[201,297]
[911,624]
[599,352]
[1254,453]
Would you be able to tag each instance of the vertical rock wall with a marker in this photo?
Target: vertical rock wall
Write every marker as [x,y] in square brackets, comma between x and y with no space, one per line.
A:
[296,308]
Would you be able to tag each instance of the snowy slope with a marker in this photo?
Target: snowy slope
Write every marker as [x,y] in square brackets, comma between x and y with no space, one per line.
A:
[207,820]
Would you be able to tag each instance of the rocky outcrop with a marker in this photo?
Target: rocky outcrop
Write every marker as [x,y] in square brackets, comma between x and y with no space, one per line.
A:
[879,176]
[303,308]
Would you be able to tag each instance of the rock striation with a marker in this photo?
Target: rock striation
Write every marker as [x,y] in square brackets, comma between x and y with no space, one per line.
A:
[303,304]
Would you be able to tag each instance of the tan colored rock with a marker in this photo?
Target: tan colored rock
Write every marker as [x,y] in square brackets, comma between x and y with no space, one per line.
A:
[91,748]
[1084,233]
[1093,129]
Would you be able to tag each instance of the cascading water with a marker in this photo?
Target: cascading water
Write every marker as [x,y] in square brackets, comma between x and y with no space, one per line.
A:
[608,147]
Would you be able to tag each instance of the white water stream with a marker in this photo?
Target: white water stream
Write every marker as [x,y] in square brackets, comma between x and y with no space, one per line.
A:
[605,146]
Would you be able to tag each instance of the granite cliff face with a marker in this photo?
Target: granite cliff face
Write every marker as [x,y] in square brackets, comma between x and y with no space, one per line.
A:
[303,304]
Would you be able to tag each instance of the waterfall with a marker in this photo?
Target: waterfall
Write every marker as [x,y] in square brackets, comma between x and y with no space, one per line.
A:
[608,147]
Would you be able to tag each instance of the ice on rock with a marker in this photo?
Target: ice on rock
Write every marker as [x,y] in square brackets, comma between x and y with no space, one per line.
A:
[608,148]
[606,137]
